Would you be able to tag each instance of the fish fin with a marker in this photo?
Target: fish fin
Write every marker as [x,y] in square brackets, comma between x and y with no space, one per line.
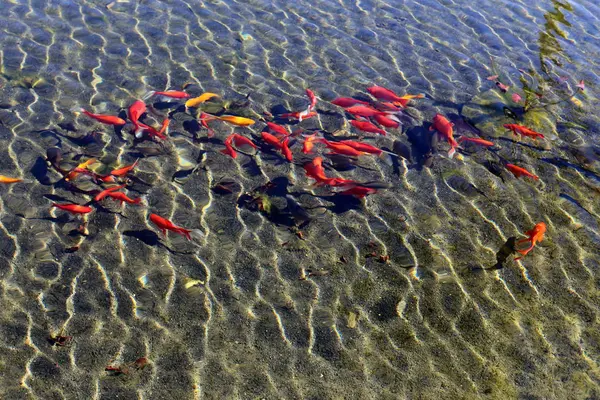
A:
[451,152]
[148,95]
[431,128]
[77,109]
[185,232]
[139,132]
[386,158]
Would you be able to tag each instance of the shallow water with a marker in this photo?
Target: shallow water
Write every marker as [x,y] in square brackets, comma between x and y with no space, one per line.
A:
[431,323]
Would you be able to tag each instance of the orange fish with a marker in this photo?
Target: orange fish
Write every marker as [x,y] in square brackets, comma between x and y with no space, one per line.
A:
[165,225]
[315,170]
[105,192]
[536,235]
[364,147]
[523,131]
[444,127]
[519,171]
[235,120]
[123,171]
[270,139]
[105,119]
[299,115]
[80,169]
[73,208]
[122,197]
[6,179]
[404,100]
[174,94]
[340,148]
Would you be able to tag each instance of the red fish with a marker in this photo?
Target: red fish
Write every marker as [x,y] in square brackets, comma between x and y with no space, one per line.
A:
[203,119]
[309,142]
[478,141]
[122,197]
[385,121]
[519,171]
[105,192]
[503,88]
[229,150]
[123,171]
[285,150]
[270,139]
[152,131]
[136,110]
[364,111]
[299,115]
[278,129]
[444,127]
[536,235]
[387,107]
[359,191]
[165,225]
[312,98]
[348,102]
[240,141]
[523,131]
[366,126]
[73,208]
[382,93]
[364,147]
[105,119]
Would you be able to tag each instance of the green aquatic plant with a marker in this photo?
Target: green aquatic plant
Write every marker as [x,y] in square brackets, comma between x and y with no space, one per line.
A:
[537,91]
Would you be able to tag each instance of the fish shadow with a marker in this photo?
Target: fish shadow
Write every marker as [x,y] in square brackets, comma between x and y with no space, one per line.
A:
[420,138]
[39,170]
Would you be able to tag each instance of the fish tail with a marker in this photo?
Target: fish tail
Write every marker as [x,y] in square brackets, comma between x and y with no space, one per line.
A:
[452,151]
[78,109]
[527,250]
[386,158]
[184,232]
[139,131]
[148,95]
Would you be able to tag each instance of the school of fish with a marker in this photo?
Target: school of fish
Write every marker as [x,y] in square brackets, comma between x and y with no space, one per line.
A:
[368,116]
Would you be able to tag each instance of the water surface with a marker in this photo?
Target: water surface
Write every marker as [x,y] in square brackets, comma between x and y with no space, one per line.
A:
[428,324]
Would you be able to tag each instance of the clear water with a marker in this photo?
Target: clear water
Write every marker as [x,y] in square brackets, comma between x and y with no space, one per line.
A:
[430,323]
